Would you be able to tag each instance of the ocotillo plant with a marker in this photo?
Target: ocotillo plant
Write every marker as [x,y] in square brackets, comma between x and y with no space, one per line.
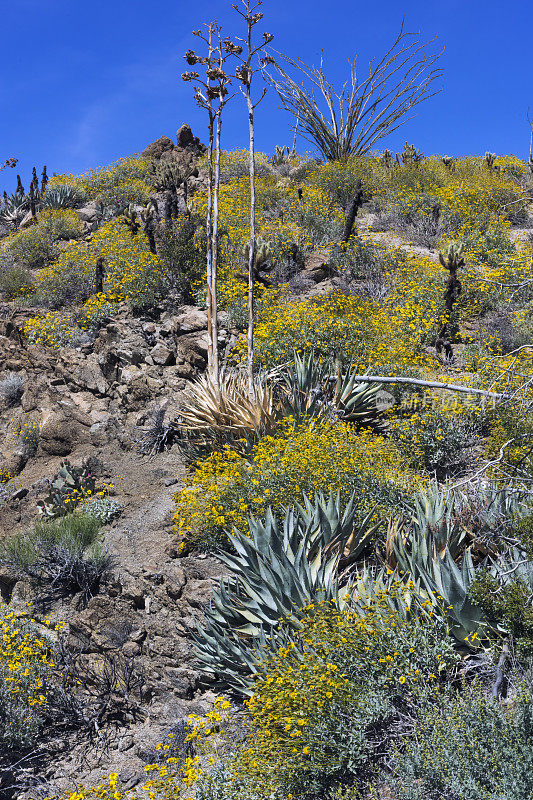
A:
[211,94]
[248,55]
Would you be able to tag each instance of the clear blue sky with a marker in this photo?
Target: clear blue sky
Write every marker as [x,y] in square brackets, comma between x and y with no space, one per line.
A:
[83,83]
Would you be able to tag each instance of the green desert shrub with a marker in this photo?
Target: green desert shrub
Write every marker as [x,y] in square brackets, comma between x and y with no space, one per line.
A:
[37,245]
[15,279]
[183,260]
[469,746]
[61,555]
[439,441]
[11,389]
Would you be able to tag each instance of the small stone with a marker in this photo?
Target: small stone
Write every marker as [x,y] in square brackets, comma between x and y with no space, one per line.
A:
[170,481]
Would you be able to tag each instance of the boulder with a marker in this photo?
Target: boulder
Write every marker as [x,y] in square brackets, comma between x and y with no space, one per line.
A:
[88,213]
[316,266]
[187,141]
[60,433]
[14,461]
[192,347]
[189,320]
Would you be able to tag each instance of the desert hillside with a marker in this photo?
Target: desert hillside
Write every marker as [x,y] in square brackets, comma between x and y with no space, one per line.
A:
[296,564]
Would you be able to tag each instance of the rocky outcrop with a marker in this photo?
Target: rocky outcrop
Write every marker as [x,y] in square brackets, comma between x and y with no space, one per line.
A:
[187,145]
[157,148]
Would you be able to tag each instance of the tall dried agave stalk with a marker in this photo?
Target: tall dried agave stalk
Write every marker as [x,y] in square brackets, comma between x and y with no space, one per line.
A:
[362,112]
[245,73]
[211,94]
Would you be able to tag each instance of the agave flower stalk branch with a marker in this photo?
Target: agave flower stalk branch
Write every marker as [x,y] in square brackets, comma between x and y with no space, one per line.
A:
[212,95]
[452,387]
[245,73]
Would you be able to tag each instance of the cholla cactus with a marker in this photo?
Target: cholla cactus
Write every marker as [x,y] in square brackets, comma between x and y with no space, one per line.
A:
[387,159]
[490,158]
[149,214]
[410,155]
[171,175]
[454,258]
[263,251]
[44,179]
[130,218]
[448,161]
[280,156]
[448,331]
[20,188]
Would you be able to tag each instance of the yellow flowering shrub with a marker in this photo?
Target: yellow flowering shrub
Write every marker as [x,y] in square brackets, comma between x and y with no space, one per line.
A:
[320,456]
[387,334]
[133,275]
[343,675]
[37,245]
[128,180]
[25,665]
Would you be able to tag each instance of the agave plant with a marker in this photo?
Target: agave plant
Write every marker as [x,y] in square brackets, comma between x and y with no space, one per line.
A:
[425,551]
[309,391]
[304,386]
[14,209]
[433,524]
[63,197]
[219,412]
[278,569]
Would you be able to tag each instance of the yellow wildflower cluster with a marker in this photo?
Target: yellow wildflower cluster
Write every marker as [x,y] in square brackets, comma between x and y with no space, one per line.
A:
[133,275]
[128,180]
[53,329]
[25,667]
[24,657]
[364,332]
[38,244]
[322,684]
[302,460]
